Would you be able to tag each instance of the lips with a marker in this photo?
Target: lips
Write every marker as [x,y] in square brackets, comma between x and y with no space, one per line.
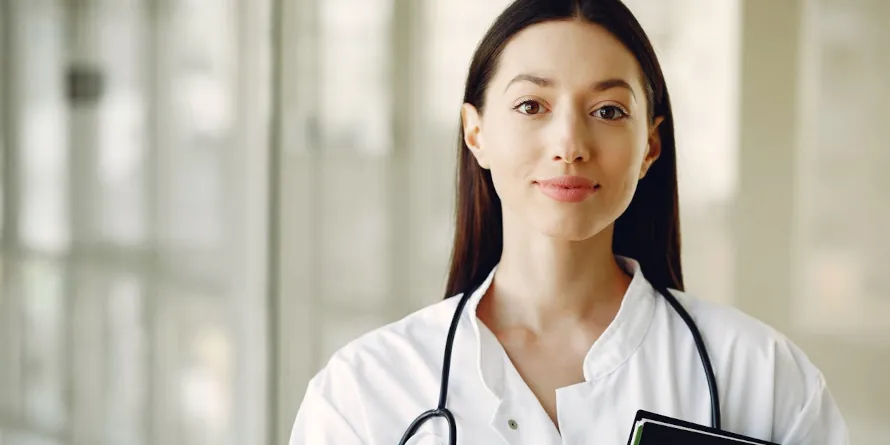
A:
[568,188]
[569,182]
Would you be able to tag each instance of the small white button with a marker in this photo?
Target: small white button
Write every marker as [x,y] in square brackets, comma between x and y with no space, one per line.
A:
[513,425]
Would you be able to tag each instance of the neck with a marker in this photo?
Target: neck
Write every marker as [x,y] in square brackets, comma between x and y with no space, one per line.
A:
[543,282]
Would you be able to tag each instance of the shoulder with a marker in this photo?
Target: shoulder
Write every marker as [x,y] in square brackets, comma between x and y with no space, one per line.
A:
[727,324]
[757,365]
[350,395]
[374,367]
[415,339]
[410,333]
[730,329]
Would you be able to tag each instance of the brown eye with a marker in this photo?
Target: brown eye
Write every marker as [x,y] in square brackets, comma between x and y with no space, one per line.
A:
[529,107]
[610,113]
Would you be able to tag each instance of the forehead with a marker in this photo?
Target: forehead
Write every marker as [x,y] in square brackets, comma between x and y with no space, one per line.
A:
[573,52]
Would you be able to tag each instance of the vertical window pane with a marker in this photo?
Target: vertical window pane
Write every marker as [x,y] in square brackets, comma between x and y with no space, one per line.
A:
[196,348]
[4,110]
[356,106]
[126,364]
[11,332]
[198,70]
[355,233]
[41,118]
[110,365]
[44,337]
[121,216]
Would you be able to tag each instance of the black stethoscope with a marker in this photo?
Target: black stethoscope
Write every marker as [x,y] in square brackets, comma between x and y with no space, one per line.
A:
[442,411]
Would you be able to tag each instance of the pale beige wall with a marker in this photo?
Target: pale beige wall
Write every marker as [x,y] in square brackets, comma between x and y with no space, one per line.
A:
[811,218]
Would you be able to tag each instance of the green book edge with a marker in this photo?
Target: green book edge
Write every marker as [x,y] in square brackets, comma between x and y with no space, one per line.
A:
[639,435]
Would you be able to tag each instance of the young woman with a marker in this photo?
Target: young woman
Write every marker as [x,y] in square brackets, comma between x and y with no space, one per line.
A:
[566,242]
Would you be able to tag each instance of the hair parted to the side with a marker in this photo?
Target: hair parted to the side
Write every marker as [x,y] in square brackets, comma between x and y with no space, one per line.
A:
[648,231]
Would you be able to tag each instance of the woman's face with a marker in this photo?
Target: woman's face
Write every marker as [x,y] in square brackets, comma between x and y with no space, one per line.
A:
[564,130]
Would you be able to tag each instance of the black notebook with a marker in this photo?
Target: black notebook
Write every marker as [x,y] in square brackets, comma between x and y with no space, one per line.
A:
[655,429]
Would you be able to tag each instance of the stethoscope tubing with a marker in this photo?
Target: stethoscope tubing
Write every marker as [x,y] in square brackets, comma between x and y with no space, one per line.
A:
[442,411]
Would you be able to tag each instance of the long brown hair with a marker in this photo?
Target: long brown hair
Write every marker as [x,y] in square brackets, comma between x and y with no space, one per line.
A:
[648,231]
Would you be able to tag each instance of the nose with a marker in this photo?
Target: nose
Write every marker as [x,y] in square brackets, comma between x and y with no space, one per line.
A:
[570,142]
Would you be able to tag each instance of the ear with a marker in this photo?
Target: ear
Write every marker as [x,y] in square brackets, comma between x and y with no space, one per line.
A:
[653,148]
[472,123]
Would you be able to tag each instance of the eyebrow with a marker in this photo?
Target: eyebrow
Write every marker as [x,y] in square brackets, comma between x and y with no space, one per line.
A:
[600,86]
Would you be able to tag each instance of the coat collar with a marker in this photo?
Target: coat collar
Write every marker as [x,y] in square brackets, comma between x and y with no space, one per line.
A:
[615,346]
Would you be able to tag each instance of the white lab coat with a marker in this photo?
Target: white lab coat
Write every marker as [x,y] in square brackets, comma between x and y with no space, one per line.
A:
[372,388]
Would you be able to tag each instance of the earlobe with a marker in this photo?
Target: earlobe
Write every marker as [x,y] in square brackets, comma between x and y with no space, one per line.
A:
[653,148]
[644,168]
[647,163]
[473,133]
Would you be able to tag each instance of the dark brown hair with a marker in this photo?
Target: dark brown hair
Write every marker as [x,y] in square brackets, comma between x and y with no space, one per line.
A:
[648,231]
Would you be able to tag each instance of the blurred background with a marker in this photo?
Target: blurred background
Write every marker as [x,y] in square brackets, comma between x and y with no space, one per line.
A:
[203,199]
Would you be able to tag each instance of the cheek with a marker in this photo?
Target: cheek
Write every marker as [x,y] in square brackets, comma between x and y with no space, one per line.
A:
[512,154]
[620,161]
[621,156]
[511,173]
